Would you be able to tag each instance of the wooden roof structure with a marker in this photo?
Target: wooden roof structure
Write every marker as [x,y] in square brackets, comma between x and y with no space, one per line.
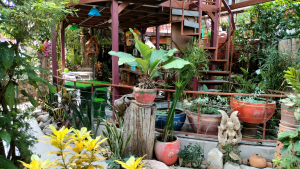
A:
[132,13]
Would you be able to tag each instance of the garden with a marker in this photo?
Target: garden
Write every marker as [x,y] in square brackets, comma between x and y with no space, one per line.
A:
[76,93]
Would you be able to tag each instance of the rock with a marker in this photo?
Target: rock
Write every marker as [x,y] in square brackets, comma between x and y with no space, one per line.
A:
[204,164]
[153,164]
[45,124]
[247,167]
[215,158]
[211,167]
[231,165]
[47,130]
[256,160]
[269,164]
[245,161]
[55,126]
[43,118]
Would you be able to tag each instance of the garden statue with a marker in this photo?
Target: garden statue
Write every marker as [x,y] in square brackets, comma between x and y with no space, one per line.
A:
[229,129]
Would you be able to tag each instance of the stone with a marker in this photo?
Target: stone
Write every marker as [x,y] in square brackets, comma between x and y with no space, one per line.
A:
[247,167]
[215,158]
[153,164]
[211,167]
[43,118]
[245,161]
[41,124]
[231,165]
[47,130]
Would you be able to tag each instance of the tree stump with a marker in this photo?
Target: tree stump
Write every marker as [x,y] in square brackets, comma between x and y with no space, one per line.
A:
[139,122]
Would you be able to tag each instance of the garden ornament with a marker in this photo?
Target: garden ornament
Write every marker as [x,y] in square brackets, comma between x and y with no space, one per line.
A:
[229,129]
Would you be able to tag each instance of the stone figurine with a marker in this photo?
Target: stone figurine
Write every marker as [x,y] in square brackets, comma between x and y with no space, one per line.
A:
[229,129]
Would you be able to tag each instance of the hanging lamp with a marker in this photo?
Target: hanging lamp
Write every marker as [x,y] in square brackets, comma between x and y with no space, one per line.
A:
[74,27]
[94,12]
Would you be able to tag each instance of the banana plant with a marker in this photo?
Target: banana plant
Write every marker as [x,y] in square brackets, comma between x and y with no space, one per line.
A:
[151,62]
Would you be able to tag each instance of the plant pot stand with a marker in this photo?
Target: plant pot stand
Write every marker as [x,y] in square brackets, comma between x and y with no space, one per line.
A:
[139,122]
[248,130]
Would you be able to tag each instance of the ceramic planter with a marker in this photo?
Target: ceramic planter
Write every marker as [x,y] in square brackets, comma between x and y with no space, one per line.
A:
[284,127]
[253,112]
[208,124]
[256,160]
[287,114]
[144,96]
[178,120]
[167,152]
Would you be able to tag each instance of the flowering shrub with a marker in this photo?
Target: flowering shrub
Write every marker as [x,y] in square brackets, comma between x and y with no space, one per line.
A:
[44,48]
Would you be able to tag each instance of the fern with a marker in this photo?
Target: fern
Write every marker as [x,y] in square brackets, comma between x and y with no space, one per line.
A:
[293,78]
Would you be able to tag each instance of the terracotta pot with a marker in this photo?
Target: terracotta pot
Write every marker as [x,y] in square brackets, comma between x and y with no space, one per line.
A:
[284,127]
[167,152]
[208,124]
[144,96]
[287,114]
[256,160]
[253,112]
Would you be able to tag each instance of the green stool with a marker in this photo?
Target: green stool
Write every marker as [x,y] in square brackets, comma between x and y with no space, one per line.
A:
[99,106]
[101,93]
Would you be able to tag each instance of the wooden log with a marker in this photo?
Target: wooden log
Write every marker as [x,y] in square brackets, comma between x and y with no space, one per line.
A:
[139,122]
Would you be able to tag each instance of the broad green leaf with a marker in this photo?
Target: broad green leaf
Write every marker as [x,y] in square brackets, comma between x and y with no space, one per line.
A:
[31,99]
[10,95]
[6,163]
[234,156]
[205,88]
[171,52]
[144,64]
[5,136]
[244,71]
[7,55]
[144,49]
[153,66]
[297,145]
[158,55]
[175,62]
[124,58]
[2,71]
[239,79]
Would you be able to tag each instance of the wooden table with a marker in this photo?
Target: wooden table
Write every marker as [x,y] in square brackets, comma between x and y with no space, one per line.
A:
[131,74]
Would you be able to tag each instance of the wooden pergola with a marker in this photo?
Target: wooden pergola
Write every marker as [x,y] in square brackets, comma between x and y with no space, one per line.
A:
[125,14]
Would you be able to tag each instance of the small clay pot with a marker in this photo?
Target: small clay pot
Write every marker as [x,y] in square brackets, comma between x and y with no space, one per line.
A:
[245,161]
[256,160]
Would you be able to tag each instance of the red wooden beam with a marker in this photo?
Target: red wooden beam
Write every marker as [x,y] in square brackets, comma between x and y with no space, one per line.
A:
[123,6]
[245,4]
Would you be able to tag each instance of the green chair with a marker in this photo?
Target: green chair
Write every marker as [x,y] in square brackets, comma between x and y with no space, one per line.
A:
[101,93]
[99,106]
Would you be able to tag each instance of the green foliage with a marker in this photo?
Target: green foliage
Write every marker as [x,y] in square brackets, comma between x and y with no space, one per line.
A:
[6,163]
[151,62]
[231,153]
[224,25]
[192,154]
[116,141]
[104,73]
[185,75]
[196,55]
[290,141]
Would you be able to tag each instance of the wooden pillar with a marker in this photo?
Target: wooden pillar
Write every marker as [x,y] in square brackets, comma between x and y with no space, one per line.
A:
[139,122]
[125,47]
[157,37]
[91,31]
[115,47]
[62,46]
[53,53]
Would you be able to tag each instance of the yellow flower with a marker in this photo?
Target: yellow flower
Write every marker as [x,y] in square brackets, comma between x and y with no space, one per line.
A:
[131,163]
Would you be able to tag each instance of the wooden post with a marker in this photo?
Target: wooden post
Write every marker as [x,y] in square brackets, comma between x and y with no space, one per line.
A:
[139,122]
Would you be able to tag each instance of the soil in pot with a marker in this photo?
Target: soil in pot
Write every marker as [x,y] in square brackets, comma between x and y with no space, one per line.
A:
[167,152]
[161,118]
[208,124]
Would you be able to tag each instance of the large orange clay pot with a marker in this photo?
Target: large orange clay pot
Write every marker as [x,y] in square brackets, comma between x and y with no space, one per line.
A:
[287,114]
[208,124]
[253,112]
[167,152]
[144,96]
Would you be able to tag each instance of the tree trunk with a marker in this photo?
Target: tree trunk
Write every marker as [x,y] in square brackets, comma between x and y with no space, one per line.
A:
[139,122]
[85,56]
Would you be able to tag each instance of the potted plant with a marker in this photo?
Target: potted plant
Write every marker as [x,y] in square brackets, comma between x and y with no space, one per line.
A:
[224,25]
[161,118]
[251,108]
[167,146]
[290,107]
[209,117]
[151,62]
[191,156]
